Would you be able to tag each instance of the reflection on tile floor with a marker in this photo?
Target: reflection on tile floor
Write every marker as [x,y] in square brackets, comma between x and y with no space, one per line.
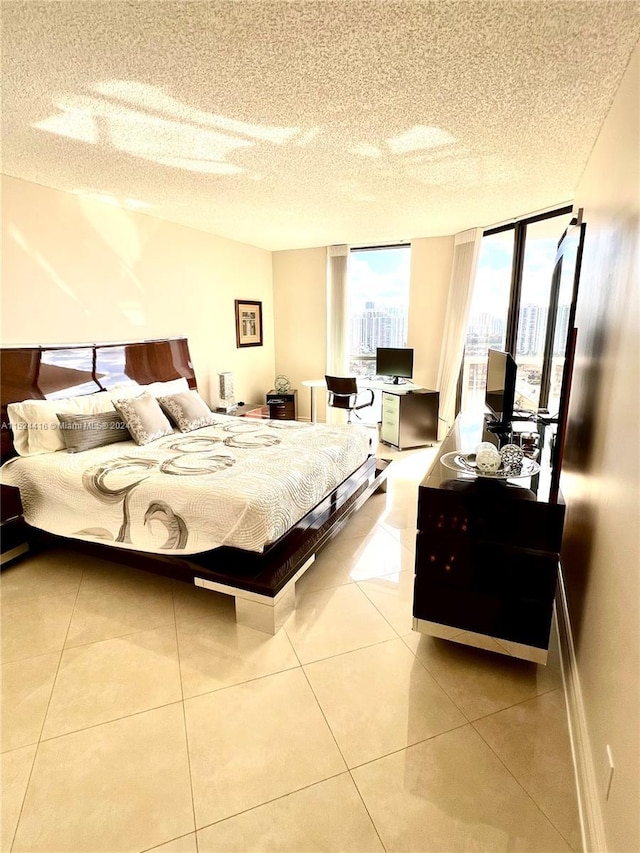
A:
[137,715]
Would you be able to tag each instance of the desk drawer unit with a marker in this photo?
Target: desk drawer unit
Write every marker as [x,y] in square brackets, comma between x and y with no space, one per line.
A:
[390,430]
[409,418]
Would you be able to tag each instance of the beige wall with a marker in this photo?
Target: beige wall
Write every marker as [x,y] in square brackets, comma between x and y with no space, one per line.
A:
[75,270]
[300,311]
[300,316]
[600,482]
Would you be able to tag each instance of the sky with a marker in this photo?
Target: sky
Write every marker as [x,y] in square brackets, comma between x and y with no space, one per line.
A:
[380,276]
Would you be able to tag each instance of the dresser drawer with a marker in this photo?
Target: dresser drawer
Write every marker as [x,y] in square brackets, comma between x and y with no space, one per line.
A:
[391,404]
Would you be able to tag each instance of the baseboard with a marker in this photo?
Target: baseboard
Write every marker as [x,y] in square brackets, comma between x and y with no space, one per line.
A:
[591,822]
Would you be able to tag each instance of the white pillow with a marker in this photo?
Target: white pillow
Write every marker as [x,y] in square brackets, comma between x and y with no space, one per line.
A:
[163,389]
[36,428]
[127,390]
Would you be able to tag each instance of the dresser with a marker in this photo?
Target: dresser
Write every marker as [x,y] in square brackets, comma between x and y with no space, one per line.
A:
[487,551]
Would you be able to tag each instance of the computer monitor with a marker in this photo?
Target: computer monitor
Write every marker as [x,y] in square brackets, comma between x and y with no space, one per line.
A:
[394,362]
[500,388]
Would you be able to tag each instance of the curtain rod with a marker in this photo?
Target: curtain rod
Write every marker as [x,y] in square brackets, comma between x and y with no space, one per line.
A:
[404,245]
[545,213]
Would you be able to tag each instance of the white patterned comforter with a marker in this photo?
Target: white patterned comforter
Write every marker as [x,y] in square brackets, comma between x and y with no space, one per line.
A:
[241,482]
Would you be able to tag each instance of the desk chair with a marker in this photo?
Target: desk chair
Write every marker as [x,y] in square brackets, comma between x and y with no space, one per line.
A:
[343,394]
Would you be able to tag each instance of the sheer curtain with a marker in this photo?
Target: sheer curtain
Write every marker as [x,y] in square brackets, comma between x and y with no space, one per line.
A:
[337,314]
[465,259]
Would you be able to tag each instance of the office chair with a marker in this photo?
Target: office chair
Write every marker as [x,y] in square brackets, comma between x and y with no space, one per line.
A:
[343,394]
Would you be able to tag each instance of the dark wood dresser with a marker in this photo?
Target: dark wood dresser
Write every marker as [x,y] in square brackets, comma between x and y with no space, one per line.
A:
[487,550]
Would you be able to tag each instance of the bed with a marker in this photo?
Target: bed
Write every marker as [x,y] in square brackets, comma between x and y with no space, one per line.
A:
[241,506]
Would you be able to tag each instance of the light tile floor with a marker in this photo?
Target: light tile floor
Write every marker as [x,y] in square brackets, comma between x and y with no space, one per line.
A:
[137,715]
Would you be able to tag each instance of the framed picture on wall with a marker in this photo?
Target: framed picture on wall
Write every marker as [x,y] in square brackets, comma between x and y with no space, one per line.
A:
[248,323]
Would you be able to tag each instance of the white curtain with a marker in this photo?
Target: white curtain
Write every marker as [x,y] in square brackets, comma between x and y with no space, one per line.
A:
[337,315]
[465,260]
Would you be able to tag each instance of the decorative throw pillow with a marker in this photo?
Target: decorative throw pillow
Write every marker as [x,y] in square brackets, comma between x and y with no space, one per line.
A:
[35,425]
[187,410]
[84,432]
[144,418]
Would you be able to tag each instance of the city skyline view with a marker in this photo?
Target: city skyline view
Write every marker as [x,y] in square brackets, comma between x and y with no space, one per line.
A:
[378,304]
[378,308]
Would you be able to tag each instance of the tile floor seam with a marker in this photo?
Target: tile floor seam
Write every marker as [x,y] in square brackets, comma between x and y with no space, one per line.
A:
[515,704]
[239,683]
[521,784]
[53,683]
[170,841]
[24,796]
[18,748]
[544,692]
[364,592]
[108,722]
[349,651]
[366,808]
[44,719]
[462,711]
[57,673]
[182,622]
[269,802]
[184,717]
[324,717]
[284,628]
[410,745]
[435,678]
[118,636]
[524,701]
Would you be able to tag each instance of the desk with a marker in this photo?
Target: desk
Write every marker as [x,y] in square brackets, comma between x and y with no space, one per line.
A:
[373,384]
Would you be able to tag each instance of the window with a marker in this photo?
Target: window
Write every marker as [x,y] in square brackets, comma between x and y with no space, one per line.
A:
[510,309]
[487,315]
[378,304]
[539,258]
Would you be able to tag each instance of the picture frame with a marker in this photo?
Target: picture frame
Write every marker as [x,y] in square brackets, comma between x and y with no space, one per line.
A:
[248,323]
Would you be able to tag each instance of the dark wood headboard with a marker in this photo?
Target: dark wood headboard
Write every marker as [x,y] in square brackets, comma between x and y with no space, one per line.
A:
[69,370]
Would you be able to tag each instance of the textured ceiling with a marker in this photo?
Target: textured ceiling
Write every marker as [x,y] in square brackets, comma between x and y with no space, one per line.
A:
[296,124]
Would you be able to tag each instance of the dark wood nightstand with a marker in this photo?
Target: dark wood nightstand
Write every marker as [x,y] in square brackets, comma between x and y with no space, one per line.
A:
[13,529]
[283,406]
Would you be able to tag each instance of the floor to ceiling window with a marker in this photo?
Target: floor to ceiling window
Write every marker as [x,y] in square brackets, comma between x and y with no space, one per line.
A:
[378,309]
[488,314]
[510,309]
[378,303]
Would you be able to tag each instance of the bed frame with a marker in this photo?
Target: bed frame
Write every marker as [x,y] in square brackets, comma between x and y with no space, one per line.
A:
[263,584]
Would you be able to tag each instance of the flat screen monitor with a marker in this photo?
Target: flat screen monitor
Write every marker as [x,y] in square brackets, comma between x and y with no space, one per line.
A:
[501,386]
[394,362]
